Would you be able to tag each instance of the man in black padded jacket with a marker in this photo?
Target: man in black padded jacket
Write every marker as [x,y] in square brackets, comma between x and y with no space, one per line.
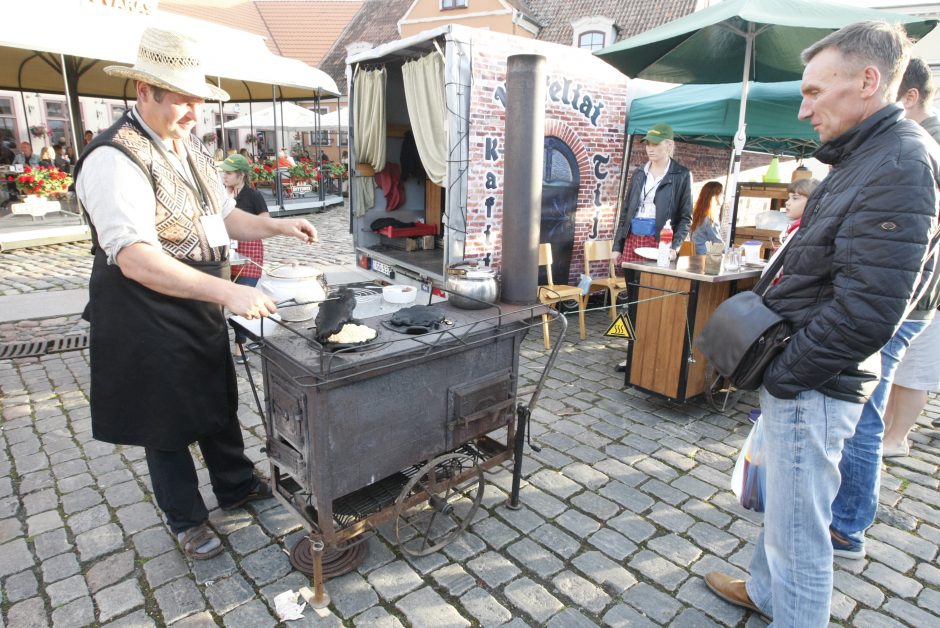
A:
[849,278]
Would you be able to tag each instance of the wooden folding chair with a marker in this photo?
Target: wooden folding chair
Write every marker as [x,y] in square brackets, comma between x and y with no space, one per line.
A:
[551,294]
[599,251]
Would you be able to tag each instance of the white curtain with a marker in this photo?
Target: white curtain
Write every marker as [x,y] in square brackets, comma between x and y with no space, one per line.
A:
[369,121]
[424,94]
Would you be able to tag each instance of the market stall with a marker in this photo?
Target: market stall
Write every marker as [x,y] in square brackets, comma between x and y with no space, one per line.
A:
[72,63]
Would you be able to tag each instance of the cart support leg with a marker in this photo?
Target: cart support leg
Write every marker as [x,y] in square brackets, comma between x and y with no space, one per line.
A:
[522,420]
[318,598]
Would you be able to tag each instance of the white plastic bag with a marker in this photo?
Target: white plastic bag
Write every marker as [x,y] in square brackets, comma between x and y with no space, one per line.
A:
[747,479]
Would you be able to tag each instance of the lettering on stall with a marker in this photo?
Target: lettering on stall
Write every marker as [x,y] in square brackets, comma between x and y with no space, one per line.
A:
[491,153]
[567,93]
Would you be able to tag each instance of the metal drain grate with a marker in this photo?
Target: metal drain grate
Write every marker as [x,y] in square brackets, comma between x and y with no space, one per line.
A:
[73,342]
[30,348]
[22,349]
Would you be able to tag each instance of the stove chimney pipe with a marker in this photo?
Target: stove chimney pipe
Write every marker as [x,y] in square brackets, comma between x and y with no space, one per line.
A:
[522,196]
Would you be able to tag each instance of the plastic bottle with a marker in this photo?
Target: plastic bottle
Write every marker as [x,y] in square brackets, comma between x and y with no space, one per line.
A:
[665,245]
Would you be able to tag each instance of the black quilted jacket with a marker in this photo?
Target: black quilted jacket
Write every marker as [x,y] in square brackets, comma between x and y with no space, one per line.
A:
[857,259]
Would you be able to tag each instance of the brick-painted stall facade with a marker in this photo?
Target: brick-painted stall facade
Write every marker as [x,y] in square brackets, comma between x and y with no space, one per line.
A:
[585,107]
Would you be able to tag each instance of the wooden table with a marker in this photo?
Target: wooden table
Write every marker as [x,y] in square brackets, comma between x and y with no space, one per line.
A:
[668,307]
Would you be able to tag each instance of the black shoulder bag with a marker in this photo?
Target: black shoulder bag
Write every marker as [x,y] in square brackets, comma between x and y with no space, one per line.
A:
[743,335]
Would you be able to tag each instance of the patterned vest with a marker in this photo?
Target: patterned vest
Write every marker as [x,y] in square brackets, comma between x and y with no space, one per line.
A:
[179,207]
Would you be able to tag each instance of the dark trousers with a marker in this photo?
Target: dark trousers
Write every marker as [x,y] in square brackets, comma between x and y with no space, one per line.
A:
[240,337]
[176,487]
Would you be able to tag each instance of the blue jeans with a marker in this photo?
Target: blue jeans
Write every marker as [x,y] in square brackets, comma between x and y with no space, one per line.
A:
[854,508]
[791,571]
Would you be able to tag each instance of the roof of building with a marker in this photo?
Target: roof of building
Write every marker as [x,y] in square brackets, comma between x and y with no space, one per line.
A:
[299,29]
[376,23]
[630,18]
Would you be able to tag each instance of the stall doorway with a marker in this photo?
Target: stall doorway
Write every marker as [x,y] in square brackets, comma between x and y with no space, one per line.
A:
[560,182]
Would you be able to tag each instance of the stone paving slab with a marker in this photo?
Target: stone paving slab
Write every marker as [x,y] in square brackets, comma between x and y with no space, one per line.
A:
[624,509]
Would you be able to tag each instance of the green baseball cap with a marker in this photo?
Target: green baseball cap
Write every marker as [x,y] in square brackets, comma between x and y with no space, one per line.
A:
[659,133]
[235,163]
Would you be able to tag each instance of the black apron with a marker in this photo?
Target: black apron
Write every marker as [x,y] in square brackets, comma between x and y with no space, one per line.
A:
[162,374]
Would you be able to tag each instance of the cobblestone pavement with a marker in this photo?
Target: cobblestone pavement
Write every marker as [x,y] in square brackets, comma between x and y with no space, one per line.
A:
[625,508]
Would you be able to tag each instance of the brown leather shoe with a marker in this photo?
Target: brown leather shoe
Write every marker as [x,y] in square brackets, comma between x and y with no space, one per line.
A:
[732,590]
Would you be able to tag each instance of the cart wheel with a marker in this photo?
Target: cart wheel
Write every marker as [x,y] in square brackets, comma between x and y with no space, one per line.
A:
[438,503]
[719,392]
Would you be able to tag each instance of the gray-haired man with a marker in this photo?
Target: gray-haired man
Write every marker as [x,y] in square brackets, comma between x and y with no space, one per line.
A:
[847,282]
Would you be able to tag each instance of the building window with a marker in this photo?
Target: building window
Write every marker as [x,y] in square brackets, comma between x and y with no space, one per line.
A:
[7,120]
[321,139]
[593,32]
[344,138]
[57,122]
[453,4]
[591,40]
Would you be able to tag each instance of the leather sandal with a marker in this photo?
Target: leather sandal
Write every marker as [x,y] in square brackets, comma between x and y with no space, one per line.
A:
[196,537]
[260,489]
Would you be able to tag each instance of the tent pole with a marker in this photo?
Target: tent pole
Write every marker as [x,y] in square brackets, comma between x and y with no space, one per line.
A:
[728,219]
[279,196]
[218,81]
[19,82]
[73,122]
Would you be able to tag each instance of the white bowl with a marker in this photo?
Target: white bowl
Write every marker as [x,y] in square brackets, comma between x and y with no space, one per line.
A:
[399,293]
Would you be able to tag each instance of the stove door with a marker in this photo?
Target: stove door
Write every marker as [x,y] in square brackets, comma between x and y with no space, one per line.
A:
[480,406]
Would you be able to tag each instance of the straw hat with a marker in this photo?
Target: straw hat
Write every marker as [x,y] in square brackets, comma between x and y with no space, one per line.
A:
[170,61]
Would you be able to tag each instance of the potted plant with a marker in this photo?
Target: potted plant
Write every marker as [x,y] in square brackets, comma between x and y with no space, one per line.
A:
[209,139]
[38,130]
[43,181]
[251,138]
[262,173]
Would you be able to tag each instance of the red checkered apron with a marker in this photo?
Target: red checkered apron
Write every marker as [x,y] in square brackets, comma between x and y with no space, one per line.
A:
[633,243]
[253,250]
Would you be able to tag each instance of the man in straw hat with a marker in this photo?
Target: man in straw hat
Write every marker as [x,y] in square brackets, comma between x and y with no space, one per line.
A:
[162,376]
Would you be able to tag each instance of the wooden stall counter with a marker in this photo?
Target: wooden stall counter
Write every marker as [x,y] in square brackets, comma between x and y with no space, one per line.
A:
[668,308]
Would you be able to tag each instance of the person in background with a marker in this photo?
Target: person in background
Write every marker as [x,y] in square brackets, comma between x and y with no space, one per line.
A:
[162,375]
[88,137]
[46,157]
[919,370]
[705,216]
[660,190]
[236,176]
[848,280]
[856,504]
[62,161]
[70,153]
[284,160]
[26,155]
[244,153]
[798,192]
[7,154]
[218,156]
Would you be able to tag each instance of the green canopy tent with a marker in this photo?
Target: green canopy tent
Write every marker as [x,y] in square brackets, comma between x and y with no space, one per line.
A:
[708,114]
[746,40]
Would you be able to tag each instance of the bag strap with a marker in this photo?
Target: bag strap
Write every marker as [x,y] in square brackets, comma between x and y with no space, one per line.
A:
[769,275]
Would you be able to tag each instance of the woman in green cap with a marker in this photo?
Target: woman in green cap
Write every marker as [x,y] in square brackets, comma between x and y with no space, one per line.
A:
[660,190]
[236,175]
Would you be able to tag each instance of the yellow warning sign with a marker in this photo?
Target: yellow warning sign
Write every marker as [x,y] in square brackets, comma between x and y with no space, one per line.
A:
[621,328]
